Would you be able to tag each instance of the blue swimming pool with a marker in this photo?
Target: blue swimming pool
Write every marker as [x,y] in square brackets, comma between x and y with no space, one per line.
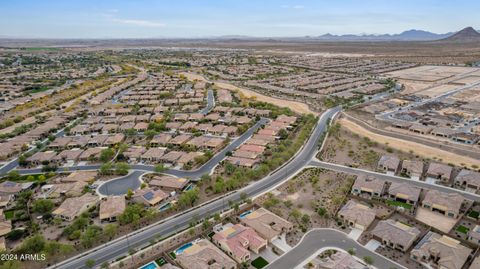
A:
[244,214]
[181,249]
[151,265]
[165,206]
[189,187]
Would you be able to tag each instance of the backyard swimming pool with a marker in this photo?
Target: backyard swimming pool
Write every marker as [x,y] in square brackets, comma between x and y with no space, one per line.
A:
[181,249]
[151,265]
[244,214]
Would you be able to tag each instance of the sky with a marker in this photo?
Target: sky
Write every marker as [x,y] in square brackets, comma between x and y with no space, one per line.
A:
[209,18]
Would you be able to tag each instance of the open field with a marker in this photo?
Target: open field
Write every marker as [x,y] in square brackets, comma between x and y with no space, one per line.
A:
[435,79]
[419,149]
[294,106]
[472,95]
[430,73]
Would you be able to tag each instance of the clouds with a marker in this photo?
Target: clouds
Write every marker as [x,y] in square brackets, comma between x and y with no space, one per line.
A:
[293,7]
[111,16]
[142,23]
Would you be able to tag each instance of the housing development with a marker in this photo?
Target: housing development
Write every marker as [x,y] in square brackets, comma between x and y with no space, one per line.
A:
[329,152]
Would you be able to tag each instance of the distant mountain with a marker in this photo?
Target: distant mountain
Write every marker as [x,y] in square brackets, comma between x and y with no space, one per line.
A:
[466,35]
[410,35]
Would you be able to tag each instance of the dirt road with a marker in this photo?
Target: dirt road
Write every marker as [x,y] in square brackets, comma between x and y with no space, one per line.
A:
[297,107]
[407,146]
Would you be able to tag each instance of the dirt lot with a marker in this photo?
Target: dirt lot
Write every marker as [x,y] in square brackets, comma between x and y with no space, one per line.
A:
[297,107]
[435,78]
[310,200]
[430,73]
[408,146]
[347,148]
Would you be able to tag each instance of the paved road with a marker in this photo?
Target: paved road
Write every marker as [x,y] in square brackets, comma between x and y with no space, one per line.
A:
[210,103]
[420,184]
[139,238]
[327,238]
[122,184]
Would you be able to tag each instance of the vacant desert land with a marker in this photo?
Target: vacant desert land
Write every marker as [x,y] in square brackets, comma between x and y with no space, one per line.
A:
[468,80]
[297,107]
[407,146]
[429,73]
[470,95]
[431,81]
[436,91]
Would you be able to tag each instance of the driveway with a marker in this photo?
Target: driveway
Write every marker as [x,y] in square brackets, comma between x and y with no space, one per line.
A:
[327,238]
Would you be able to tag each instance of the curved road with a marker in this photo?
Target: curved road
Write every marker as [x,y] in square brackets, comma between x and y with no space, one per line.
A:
[139,238]
[317,239]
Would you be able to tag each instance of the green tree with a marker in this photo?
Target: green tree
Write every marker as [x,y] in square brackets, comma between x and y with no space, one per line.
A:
[132,214]
[295,213]
[188,198]
[129,193]
[160,168]
[216,217]
[110,230]
[106,155]
[106,169]
[90,263]
[43,206]
[150,133]
[305,219]
[368,260]
[90,236]
[122,168]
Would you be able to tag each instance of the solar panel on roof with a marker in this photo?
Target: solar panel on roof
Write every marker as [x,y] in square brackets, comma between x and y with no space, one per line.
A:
[9,184]
[148,196]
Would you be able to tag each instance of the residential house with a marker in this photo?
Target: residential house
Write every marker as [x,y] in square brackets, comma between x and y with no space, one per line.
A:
[86,176]
[440,251]
[204,255]
[73,207]
[111,207]
[153,155]
[404,193]
[439,171]
[68,189]
[357,215]
[243,162]
[448,204]
[466,138]
[5,200]
[474,235]
[13,188]
[133,154]
[168,183]
[369,186]
[160,139]
[91,154]
[266,224]
[412,169]
[237,240]
[172,157]
[468,180]
[340,260]
[395,234]
[41,157]
[149,196]
[389,164]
